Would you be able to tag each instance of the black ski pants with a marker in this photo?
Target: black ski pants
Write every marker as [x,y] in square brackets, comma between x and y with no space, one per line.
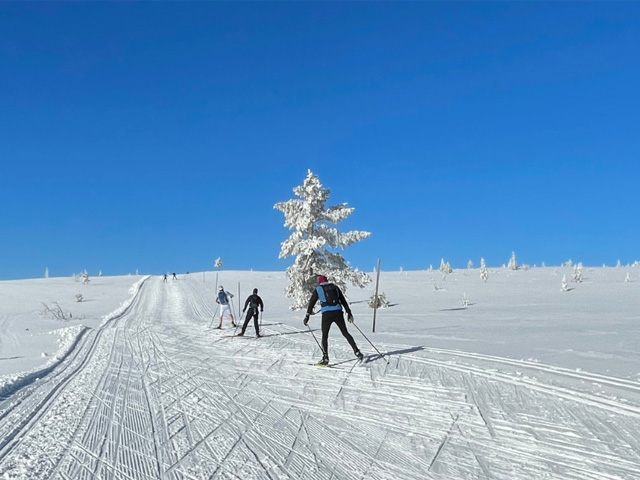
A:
[251,312]
[337,317]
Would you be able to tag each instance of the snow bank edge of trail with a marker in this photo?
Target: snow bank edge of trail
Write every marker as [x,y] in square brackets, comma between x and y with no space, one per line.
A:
[133,291]
[68,339]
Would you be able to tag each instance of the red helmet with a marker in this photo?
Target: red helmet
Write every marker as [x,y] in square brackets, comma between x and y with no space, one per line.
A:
[322,279]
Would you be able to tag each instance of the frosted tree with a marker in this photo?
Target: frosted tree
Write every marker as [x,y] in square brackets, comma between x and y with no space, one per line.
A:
[512,265]
[470,264]
[577,273]
[565,284]
[484,273]
[379,301]
[218,263]
[46,273]
[314,242]
[445,267]
[627,278]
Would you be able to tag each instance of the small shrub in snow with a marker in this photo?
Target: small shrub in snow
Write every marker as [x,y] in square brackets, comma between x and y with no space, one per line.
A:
[627,278]
[565,284]
[85,278]
[79,297]
[465,300]
[379,301]
[55,311]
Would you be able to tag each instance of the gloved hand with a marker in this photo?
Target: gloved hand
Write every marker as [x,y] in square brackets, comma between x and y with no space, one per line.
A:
[306,320]
[350,318]
[261,311]
[242,311]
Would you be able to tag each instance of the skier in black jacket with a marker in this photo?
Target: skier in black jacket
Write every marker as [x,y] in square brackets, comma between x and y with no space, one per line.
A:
[331,300]
[253,302]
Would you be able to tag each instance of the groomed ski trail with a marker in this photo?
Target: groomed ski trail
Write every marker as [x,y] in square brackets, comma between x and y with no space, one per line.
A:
[156,395]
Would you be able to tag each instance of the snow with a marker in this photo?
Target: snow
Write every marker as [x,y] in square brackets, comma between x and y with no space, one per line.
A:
[524,382]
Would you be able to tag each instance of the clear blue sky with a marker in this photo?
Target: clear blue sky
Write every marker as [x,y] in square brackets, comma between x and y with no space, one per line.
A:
[158,136]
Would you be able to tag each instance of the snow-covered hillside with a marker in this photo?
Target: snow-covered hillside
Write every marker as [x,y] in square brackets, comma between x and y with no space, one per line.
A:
[509,379]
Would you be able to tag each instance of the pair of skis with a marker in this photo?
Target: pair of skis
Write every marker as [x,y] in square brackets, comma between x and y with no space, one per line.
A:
[337,364]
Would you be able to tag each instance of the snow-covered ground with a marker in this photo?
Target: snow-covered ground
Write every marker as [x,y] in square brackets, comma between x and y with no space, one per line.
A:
[525,382]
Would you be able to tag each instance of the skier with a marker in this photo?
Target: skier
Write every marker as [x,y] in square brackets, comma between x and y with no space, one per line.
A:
[174,276]
[331,300]
[253,302]
[223,299]
[164,280]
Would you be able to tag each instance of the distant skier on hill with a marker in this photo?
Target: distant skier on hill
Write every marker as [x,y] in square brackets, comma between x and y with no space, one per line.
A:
[331,300]
[253,302]
[223,298]
[164,279]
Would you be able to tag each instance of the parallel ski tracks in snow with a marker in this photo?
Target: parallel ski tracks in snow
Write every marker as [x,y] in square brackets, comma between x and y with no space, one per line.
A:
[156,395]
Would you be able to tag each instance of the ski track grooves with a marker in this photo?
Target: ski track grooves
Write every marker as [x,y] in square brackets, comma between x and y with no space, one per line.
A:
[155,394]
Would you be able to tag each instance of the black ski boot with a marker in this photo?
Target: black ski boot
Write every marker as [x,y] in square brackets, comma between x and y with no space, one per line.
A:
[324,361]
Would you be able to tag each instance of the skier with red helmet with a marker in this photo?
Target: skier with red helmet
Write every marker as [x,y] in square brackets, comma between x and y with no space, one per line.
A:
[332,301]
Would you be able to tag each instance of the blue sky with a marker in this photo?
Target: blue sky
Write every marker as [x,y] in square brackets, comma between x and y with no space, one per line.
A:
[158,136]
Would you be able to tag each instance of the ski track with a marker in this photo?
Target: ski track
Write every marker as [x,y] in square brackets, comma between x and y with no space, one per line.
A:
[156,394]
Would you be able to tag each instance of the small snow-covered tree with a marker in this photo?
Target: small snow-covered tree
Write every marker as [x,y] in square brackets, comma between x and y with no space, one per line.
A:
[565,284]
[314,242]
[618,264]
[484,273]
[378,302]
[568,263]
[465,299]
[445,267]
[469,264]
[218,263]
[512,265]
[46,272]
[627,278]
[577,273]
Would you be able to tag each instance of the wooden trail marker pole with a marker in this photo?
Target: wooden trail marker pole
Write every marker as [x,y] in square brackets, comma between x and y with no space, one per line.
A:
[375,301]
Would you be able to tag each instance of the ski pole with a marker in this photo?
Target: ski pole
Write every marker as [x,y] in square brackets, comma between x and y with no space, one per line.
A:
[374,347]
[213,319]
[314,337]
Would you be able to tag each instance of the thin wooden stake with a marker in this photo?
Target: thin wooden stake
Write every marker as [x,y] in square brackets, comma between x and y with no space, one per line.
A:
[375,298]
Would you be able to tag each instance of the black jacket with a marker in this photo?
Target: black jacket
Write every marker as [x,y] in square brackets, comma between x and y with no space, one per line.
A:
[255,301]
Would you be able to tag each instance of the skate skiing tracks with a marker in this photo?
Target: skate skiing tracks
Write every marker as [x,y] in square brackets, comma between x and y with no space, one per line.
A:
[154,394]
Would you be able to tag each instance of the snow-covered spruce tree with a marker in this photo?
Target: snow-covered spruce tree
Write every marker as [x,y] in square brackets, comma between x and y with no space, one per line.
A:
[513,265]
[445,267]
[314,242]
[484,273]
